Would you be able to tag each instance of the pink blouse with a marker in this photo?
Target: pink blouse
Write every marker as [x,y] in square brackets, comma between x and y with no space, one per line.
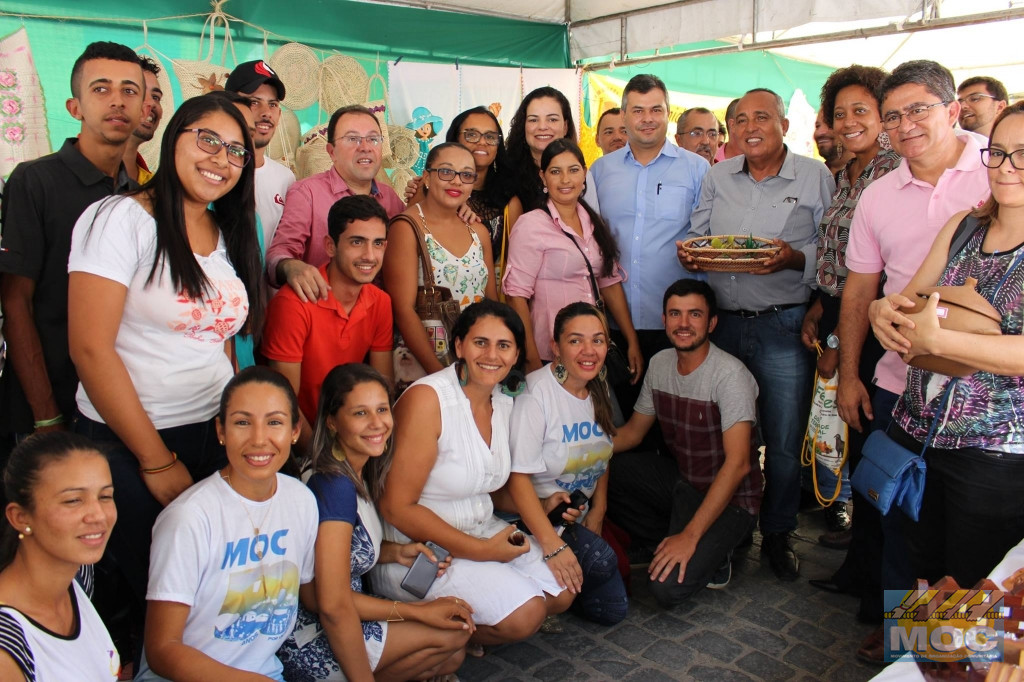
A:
[545,267]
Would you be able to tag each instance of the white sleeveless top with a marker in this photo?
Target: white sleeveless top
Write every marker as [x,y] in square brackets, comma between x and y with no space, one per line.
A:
[87,654]
[466,470]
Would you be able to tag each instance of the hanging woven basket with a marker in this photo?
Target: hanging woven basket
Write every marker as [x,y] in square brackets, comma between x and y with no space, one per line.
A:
[343,81]
[286,139]
[297,66]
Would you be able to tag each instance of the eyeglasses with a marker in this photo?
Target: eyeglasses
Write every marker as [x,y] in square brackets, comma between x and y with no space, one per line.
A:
[473,136]
[356,140]
[891,121]
[209,142]
[975,98]
[697,133]
[447,174]
[993,158]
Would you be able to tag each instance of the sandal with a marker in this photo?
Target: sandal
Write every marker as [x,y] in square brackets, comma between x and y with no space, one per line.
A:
[475,650]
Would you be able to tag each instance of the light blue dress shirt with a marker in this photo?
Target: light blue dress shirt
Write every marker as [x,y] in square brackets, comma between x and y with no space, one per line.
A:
[648,208]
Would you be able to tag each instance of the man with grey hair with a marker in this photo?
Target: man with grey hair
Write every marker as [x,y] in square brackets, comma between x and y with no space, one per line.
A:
[697,132]
[897,219]
[770,192]
[981,99]
[651,187]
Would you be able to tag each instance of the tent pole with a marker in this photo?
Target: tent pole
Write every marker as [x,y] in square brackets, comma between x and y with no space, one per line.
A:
[889,29]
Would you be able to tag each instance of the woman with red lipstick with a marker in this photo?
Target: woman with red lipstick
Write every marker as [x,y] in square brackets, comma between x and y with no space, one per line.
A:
[552,253]
[451,453]
[160,282]
[357,636]
[460,253]
[233,553]
[570,397]
[59,514]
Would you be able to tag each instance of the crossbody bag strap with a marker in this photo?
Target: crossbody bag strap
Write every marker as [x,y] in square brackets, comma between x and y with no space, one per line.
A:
[939,412]
[590,270]
[421,239]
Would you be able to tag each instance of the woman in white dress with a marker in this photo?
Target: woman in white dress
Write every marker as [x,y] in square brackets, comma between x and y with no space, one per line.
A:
[59,514]
[451,452]
[351,456]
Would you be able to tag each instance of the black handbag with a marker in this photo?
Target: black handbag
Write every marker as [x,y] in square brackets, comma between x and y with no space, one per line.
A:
[615,362]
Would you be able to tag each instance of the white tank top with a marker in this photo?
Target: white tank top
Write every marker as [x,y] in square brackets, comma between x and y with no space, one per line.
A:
[87,654]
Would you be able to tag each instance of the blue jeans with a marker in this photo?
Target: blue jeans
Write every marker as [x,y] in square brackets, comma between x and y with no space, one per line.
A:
[602,598]
[827,482]
[769,345]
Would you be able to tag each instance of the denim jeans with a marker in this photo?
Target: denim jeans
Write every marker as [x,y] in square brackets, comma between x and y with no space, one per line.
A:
[770,347]
[827,482]
[602,598]
[648,499]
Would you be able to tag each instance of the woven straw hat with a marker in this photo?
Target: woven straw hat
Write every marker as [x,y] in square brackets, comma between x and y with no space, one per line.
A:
[151,150]
[343,81]
[286,139]
[312,157]
[405,150]
[297,66]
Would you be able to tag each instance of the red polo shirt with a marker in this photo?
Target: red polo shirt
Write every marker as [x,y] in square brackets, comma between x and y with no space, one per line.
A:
[321,335]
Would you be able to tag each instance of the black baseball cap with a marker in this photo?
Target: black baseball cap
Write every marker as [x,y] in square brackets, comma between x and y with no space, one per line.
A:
[248,76]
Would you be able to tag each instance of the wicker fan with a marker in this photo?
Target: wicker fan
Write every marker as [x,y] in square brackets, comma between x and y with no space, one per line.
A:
[312,158]
[343,81]
[404,147]
[296,65]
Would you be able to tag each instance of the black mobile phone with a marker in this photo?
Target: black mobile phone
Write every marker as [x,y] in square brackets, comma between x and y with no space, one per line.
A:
[423,572]
[576,500]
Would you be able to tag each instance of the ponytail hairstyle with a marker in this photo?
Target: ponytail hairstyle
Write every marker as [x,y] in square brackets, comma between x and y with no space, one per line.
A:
[602,234]
[22,475]
[515,381]
[338,383]
[597,387]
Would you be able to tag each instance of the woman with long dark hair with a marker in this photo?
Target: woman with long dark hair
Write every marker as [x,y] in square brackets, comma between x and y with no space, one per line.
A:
[544,115]
[451,453]
[233,554]
[60,509]
[554,250]
[160,282]
[570,397]
[356,635]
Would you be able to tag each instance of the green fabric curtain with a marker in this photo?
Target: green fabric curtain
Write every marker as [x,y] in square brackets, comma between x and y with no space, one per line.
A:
[362,30]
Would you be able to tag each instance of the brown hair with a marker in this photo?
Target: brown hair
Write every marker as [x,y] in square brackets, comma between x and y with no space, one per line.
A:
[989,211]
[597,388]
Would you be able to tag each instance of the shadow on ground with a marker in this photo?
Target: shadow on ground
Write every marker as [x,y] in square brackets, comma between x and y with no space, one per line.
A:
[757,628]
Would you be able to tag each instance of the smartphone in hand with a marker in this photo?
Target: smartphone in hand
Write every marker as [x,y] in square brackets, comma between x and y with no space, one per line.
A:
[423,572]
[576,500]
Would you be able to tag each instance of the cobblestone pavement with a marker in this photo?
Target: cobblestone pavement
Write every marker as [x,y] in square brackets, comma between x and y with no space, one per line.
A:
[757,628]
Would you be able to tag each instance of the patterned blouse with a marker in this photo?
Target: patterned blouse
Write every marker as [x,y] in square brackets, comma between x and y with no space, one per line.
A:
[834,230]
[984,410]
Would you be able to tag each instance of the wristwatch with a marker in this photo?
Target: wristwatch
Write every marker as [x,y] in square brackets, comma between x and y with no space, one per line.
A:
[832,342]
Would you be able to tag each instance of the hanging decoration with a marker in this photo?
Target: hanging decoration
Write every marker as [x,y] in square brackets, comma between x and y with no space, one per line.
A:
[23,131]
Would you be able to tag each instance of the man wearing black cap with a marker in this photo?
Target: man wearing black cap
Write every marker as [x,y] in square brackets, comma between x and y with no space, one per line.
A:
[257,81]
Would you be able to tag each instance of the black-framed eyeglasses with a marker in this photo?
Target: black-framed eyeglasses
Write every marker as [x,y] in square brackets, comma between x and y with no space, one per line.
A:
[448,174]
[473,136]
[210,142]
[697,133]
[356,140]
[891,121]
[975,98]
[993,158]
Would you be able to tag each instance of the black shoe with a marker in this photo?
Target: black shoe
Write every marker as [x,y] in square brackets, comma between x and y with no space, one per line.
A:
[836,540]
[837,517]
[781,556]
[722,575]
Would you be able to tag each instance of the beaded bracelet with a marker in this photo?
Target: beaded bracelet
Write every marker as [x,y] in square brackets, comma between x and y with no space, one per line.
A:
[556,552]
[398,617]
[160,470]
[53,421]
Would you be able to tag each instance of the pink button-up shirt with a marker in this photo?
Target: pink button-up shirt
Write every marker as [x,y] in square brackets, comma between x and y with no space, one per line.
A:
[896,222]
[300,234]
[545,267]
